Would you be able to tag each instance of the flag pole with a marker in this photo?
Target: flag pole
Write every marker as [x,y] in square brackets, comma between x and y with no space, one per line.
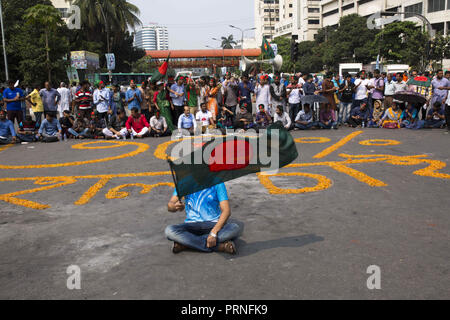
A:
[174,177]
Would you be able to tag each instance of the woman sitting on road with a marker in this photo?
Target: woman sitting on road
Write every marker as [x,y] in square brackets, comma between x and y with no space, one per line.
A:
[391,118]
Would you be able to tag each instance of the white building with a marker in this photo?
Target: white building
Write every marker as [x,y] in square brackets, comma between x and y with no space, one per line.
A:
[267,14]
[152,37]
[436,11]
[63,7]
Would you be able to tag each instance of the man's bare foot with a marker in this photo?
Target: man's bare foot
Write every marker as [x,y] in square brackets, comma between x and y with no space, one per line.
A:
[228,247]
[177,247]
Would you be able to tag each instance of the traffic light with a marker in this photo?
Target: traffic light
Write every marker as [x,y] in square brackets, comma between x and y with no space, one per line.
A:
[294,50]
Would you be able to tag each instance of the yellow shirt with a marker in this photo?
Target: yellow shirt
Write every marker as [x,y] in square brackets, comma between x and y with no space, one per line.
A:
[36,99]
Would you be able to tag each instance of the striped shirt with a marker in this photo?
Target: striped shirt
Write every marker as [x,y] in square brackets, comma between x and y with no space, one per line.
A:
[84,98]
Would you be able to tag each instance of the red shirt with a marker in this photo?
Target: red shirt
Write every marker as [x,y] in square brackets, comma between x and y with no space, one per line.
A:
[137,125]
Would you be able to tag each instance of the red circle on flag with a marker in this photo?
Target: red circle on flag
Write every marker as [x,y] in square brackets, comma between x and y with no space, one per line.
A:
[230,155]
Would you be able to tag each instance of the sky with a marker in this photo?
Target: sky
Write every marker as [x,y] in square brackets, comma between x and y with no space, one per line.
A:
[193,23]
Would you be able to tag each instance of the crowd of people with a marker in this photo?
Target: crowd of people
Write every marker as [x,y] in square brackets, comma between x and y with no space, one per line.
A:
[156,109]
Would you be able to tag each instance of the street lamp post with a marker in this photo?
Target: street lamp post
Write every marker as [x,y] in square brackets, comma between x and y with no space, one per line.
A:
[4,44]
[242,38]
[214,66]
[107,36]
[223,53]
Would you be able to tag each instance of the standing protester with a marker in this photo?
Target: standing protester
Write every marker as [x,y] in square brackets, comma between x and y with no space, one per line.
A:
[37,106]
[439,84]
[361,90]
[177,91]
[346,90]
[50,98]
[213,97]
[145,105]
[102,97]
[378,89]
[293,92]
[12,97]
[245,89]
[133,98]
[278,92]
[117,99]
[400,85]
[263,97]
[65,100]
[389,91]
[230,89]
[73,94]
[84,100]
[328,90]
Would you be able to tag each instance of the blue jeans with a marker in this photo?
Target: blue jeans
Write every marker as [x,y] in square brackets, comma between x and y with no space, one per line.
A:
[76,134]
[38,116]
[344,111]
[327,126]
[194,235]
[305,127]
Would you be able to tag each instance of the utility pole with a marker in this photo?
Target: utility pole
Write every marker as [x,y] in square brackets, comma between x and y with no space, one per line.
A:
[4,43]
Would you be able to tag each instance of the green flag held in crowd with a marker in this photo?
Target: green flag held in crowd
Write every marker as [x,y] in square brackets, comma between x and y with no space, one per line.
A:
[267,49]
[226,158]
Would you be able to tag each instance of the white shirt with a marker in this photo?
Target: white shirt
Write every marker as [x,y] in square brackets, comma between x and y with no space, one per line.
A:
[65,100]
[361,91]
[204,117]
[263,96]
[285,119]
[158,124]
[101,99]
[389,89]
[294,96]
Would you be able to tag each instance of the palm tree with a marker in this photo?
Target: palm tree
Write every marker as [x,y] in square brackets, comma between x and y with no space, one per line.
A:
[120,14]
[49,18]
[227,42]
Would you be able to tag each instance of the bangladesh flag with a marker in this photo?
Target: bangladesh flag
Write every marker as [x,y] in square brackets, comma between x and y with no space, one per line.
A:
[226,158]
[267,49]
[162,70]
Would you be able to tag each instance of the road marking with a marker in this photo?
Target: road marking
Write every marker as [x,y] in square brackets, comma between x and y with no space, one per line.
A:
[337,145]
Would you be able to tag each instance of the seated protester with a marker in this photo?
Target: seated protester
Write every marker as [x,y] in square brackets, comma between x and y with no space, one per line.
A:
[80,128]
[358,116]
[304,119]
[375,119]
[7,132]
[97,125]
[187,121]
[409,117]
[117,127]
[244,120]
[283,117]
[28,130]
[435,117]
[66,122]
[50,129]
[205,117]
[137,124]
[263,118]
[158,125]
[391,118]
[327,118]
[223,121]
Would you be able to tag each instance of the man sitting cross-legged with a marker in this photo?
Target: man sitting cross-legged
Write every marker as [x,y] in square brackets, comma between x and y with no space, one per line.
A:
[117,126]
[7,133]
[137,124]
[158,126]
[206,228]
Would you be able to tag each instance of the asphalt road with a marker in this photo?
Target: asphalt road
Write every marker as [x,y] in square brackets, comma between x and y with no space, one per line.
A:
[311,245]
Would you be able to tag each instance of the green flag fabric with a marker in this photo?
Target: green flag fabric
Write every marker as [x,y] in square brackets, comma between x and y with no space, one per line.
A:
[267,48]
[226,158]
[162,70]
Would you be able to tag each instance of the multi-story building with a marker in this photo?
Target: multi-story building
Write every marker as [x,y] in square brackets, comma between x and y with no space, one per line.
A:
[436,11]
[299,19]
[152,37]
[267,14]
[63,7]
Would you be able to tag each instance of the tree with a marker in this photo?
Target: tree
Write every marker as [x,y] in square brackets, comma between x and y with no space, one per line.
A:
[227,42]
[49,18]
[120,14]
[403,42]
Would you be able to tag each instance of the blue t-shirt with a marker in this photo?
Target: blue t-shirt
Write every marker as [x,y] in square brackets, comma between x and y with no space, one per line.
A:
[11,94]
[205,205]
